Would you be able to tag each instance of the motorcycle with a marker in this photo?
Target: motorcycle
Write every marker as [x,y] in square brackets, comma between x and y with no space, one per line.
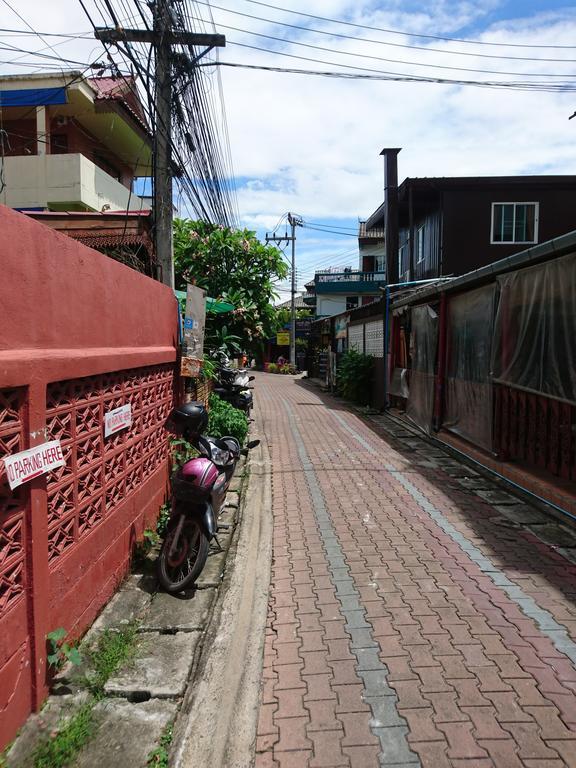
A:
[234,386]
[199,488]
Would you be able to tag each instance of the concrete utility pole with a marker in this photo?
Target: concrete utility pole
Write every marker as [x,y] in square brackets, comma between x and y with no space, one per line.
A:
[294,221]
[163,206]
[163,37]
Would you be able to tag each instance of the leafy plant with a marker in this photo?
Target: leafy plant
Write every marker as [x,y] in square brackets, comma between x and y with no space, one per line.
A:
[272,368]
[354,376]
[224,419]
[163,519]
[220,341]
[235,266]
[159,756]
[208,368]
[59,652]
[182,450]
[61,747]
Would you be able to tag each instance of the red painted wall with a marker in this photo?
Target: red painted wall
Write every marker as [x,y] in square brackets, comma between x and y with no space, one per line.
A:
[80,335]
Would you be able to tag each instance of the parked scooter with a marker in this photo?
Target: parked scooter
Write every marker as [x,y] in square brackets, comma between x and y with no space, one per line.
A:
[198,492]
[233,385]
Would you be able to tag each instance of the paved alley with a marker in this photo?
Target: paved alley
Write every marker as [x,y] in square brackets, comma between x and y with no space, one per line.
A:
[408,625]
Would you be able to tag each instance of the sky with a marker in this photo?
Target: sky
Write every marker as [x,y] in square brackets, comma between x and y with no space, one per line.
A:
[311,144]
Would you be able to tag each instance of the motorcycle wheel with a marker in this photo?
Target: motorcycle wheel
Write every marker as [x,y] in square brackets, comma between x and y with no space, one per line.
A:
[180,571]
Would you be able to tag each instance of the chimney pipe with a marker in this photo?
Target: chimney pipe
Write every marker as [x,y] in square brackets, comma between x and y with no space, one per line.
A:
[391,212]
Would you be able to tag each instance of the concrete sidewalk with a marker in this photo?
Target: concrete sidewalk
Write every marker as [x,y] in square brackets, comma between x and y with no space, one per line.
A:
[414,617]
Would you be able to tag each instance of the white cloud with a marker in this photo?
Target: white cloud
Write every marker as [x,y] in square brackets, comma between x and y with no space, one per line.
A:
[311,144]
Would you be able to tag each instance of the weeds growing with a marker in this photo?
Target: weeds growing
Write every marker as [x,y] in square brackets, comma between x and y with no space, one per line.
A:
[113,649]
[159,756]
[62,746]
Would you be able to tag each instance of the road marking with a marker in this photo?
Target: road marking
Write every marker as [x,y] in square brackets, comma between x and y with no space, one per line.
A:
[547,624]
[386,723]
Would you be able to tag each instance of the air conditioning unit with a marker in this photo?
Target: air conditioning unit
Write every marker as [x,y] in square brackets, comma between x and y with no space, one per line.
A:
[61,120]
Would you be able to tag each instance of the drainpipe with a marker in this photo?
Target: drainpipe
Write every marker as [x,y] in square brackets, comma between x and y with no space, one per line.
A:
[411,231]
[441,363]
[390,155]
[386,326]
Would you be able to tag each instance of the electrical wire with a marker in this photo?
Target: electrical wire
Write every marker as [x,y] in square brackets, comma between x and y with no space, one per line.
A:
[330,231]
[427,49]
[30,27]
[204,176]
[367,74]
[408,34]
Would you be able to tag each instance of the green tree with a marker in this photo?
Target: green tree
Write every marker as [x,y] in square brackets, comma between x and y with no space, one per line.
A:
[232,265]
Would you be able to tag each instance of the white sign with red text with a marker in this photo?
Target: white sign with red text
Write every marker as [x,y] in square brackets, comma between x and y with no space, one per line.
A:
[119,418]
[26,465]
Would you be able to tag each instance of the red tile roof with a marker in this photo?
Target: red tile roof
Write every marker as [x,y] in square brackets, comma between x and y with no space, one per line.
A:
[120,89]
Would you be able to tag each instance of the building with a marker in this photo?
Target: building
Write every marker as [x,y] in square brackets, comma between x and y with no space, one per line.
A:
[72,143]
[337,290]
[436,227]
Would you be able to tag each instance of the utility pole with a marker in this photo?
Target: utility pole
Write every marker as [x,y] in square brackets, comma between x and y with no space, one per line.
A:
[163,206]
[163,37]
[294,221]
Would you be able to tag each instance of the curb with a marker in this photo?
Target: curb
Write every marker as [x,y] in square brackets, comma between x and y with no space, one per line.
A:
[216,724]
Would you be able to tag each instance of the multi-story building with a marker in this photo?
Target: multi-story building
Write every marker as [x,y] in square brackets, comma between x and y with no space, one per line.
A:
[336,289]
[438,227]
[72,143]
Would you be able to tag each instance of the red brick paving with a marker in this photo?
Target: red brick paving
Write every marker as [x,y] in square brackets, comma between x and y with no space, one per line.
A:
[475,679]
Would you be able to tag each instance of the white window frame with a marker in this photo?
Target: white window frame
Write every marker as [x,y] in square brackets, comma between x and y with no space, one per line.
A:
[420,255]
[515,203]
[403,275]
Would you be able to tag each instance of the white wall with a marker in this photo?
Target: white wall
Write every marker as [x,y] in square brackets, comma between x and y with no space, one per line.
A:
[34,181]
[374,250]
[330,305]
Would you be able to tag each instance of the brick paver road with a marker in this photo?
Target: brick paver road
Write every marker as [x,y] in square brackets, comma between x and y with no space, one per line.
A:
[407,625]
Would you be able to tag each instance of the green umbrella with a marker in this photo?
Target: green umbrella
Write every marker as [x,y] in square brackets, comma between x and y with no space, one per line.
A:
[212,305]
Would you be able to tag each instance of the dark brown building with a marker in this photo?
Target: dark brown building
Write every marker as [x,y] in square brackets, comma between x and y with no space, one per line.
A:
[450,226]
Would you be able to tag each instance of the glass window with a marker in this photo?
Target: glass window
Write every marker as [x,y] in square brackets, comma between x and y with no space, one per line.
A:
[403,263]
[420,245]
[514,223]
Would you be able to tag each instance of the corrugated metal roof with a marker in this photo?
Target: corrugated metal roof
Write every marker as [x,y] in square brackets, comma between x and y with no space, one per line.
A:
[298,302]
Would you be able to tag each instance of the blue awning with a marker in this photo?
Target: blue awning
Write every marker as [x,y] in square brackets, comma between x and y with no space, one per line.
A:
[33,97]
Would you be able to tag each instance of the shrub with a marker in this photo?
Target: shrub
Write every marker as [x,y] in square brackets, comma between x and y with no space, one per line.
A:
[272,368]
[354,376]
[225,420]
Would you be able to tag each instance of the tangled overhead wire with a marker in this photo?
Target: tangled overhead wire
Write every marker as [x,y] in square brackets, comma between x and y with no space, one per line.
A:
[201,157]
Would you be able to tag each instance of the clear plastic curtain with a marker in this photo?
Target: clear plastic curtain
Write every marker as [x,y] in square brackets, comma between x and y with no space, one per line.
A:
[535,333]
[423,346]
[468,398]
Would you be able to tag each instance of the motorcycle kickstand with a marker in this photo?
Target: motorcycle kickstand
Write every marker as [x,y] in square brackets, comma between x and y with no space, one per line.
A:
[220,548]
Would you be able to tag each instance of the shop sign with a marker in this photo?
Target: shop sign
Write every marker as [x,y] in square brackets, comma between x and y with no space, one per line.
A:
[119,418]
[26,465]
[283,338]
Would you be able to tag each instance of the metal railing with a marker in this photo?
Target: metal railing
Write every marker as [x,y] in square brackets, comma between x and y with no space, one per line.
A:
[350,277]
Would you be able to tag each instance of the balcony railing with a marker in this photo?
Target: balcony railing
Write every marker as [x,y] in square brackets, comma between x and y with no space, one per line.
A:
[63,182]
[351,282]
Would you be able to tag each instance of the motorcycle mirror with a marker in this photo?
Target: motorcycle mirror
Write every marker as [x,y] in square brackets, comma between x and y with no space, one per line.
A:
[253,444]
[251,378]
